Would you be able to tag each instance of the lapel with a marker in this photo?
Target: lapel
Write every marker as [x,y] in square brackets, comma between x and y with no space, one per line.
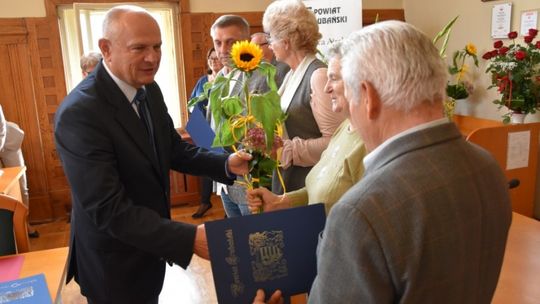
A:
[415,141]
[125,115]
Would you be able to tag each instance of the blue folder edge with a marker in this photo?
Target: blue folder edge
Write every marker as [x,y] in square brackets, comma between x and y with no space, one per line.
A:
[273,250]
[200,131]
[28,290]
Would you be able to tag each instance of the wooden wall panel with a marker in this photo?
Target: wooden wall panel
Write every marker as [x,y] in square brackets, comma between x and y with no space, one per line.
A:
[18,86]
[50,89]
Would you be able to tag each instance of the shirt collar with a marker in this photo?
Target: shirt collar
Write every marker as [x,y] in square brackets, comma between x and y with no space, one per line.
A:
[368,159]
[126,89]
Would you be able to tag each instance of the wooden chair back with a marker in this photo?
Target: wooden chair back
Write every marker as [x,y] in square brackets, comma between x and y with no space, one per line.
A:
[15,212]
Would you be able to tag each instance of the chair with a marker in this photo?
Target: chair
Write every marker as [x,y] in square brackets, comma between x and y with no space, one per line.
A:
[13,232]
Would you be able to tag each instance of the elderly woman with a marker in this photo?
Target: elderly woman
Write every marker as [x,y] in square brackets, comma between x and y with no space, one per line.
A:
[340,166]
[294,34]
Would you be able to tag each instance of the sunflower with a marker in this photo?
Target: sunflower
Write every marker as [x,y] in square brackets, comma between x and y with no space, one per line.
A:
[470,49]
[246,55]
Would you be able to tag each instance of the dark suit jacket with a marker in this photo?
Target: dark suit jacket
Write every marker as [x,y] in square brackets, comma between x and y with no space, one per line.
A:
[121,234]
[427,223]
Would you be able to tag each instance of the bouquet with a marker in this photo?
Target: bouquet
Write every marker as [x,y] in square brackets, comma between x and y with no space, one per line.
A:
[461,88]
[247,120]
[515,71]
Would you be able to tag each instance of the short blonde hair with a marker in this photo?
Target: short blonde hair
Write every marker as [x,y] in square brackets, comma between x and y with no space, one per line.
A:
[292,20]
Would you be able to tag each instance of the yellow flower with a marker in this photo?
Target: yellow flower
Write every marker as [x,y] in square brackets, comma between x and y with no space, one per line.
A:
[471,49]
[245,55]
[462,72]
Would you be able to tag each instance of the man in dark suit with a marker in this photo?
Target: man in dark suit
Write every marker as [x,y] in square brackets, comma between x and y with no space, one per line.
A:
[117,144]
[428,222]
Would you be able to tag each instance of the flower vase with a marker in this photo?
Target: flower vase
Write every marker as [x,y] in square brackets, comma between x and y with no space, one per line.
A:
[517,118]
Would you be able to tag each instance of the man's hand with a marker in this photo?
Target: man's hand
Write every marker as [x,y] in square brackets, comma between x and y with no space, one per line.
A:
[238,162]
[276,298]
[262,198]
[200,247]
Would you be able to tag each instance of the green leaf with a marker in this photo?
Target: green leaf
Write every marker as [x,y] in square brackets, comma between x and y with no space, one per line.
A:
[224,135]
[267,165]
[457,91]
[269,71]
[231,106]
[266,108]
[445,32]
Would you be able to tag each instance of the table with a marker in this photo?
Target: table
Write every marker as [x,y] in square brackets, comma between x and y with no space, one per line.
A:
[50,262]
[520,275]
[9,181]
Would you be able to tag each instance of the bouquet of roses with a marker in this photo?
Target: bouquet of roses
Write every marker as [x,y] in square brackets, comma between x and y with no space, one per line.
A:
[247,120]
[515,71]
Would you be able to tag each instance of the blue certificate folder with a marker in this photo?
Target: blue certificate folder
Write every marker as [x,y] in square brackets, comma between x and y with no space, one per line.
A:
[272,250]
[200,131]
[29,290]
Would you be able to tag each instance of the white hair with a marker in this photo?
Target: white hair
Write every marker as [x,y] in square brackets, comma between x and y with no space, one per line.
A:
[400,62]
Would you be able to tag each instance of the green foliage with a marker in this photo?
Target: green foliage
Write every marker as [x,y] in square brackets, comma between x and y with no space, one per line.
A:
[444,33]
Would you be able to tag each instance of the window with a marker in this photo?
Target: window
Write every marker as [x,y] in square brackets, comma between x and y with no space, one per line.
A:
[80,29]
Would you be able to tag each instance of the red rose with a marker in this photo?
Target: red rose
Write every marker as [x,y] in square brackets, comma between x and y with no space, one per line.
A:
[503,50]
[533,32]
[538,44]
[528,39]
[494,53]
[520,55]
[512,35]
[487,56]
[498,44]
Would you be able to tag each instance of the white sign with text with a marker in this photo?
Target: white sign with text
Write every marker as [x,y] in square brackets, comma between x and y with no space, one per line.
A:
[336,18]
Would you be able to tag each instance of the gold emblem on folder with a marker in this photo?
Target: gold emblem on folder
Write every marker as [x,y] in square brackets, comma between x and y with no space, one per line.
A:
[266,248]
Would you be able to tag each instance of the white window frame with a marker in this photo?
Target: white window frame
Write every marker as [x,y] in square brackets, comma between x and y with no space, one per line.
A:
[169,77]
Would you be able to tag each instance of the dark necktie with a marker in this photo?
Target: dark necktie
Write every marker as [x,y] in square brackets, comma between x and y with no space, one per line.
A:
[140,101]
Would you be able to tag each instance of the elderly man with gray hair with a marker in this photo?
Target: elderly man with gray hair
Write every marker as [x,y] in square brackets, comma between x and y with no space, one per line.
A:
[429,220]
[89,62]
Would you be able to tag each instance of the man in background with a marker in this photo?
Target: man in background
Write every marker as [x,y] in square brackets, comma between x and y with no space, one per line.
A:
[89,62]
[225,31]
[258,81]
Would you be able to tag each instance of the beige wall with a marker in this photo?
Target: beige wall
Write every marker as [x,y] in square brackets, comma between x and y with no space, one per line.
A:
[259,5]
[24,8]
[473,25]
[36,8]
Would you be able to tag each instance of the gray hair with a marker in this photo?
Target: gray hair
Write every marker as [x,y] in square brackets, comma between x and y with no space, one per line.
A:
[260,34]
[399,61]
[112,15]
[90,59]
[334,51]
[231,20]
